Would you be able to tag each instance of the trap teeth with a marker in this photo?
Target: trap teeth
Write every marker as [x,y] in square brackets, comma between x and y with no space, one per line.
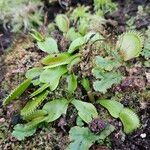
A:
[130,44]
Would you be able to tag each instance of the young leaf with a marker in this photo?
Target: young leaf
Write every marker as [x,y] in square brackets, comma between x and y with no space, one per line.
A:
[81,138]
[72,83]
[86,84]
[55,109]
[80,12]
[31,106]
[107,81]
[129,119]
[62,22]
[17,92]
[40,90]
[76,44]
[52,76]
[36,35]
[86,111]
[20,132]
[49,45]
[83,25]
[112,106]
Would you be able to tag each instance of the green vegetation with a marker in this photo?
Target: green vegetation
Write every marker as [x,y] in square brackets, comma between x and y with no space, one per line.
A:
[129,119]
[48,78]
[21,14]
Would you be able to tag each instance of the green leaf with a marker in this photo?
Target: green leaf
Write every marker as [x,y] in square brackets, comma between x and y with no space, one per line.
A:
[49,45]
[80,12]
[31,106]
[72,34]
[62,22]
[40,90]
[55,109]
[86,84]
[106,64]
[79,121]
[97,73]
[73,62]
[58,60]
[76,44]
[81,138]
[20,132]
[35,114]
[106,132]
[112,106]
[52,76]
[83,25]
[33,73]
[86,111]
[107,81]
[37,35]
[72,83]
[34,123]
[129,119]
[146,50]
[17,92]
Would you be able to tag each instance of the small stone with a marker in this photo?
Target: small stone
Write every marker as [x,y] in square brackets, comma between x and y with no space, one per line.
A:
[143,135]
[2,120]
[147,76]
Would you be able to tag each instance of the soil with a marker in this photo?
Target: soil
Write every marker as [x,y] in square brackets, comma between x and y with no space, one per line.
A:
[133,92]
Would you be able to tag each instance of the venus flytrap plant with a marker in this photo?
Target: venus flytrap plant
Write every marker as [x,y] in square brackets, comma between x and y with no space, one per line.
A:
[128,46]
[50,112]
[57,65]
[47,78]
[62,22]
[105,6]
[129,119]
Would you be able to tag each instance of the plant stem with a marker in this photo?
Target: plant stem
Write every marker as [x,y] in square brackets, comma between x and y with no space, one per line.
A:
[91,96]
